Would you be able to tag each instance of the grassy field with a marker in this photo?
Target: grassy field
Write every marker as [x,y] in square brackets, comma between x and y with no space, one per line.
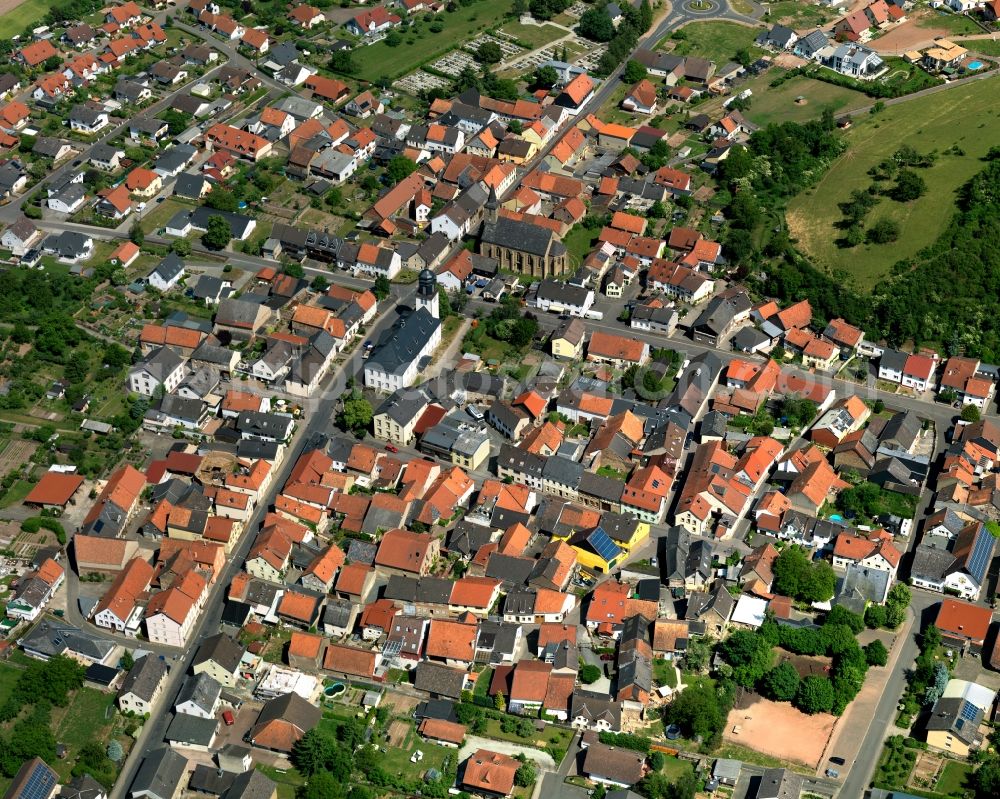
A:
[717,41]
[28,13]
[983,46]
[534,35]
[797,14]
[8,679]
[664,672]
[380,60]
[288,781]
[955,24]
[17,492]
[675,768]
[160,215]
[927,124]
[952,781]
[579,241]
[779,104]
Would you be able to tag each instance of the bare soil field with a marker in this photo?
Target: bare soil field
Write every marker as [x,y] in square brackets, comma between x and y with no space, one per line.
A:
[779,730]
[806,665]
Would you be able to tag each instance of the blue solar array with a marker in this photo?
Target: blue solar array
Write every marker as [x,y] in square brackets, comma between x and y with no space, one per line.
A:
[40,783]
[603,545]
[979,561]
[968,711]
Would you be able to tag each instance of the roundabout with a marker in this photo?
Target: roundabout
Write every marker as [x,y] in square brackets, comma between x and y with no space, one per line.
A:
[701,8]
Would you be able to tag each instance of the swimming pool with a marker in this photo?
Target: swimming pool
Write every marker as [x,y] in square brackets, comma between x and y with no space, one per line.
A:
[335,690]
[974,65]
[836,517]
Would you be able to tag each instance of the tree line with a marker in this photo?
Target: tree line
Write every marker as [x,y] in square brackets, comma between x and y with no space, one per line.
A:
[948,293]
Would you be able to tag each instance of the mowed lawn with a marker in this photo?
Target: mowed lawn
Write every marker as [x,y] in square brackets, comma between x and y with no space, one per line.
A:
[716,41]
[773,105]
[534,35]
[380,60]
[927,124]
[982,46]
[26,15]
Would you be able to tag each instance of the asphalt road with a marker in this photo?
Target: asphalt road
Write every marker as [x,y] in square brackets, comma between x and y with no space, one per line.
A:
[862,769]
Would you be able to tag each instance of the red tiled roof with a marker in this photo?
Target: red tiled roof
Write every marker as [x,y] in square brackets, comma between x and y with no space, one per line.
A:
[55,488]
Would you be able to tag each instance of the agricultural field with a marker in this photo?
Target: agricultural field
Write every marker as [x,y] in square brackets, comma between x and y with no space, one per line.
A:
[926,124]
[379,60]
[716,41]
[23,16]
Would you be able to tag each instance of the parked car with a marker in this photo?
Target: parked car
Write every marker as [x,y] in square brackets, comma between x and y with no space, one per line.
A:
[391,448]
[227,718]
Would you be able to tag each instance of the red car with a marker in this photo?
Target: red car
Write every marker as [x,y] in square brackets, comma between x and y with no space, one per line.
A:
[391,448]
[227,717]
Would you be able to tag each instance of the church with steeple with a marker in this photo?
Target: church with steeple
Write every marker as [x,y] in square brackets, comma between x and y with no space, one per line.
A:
[520,246]
[427,293]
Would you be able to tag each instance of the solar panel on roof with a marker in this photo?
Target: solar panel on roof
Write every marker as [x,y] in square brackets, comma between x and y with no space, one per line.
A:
[603,545]
[968,711]
[981,551]
[40,783]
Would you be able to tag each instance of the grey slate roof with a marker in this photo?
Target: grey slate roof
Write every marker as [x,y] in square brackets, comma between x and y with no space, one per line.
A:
[404,405]
[159,774]
[169,268]
[400,344]
[439,680]
[161,363]
[521,236]
[188,729]
[144,677]
[251,784]
[50,638]
[201,689]
[220,649]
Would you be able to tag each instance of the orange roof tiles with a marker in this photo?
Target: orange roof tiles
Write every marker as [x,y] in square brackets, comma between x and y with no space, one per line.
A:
[442,730]
[123,489]
[474,592]
[55,488]
[124,593]
[305,645]
[345,659]
[102,552]
[403,550]
[490,771]
[530,681]
[629,223]
[609,345]
[352,578]
[963,619]
[298,606]
[579,89]
[37,52]
[450,640]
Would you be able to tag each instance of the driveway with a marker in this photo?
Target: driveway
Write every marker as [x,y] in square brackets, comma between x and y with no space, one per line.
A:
[474,742]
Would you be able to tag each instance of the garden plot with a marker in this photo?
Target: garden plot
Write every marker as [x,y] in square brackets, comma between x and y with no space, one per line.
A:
[453,63]
[507,47]
[576,10]
[419,81]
